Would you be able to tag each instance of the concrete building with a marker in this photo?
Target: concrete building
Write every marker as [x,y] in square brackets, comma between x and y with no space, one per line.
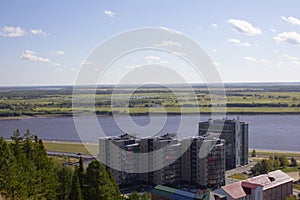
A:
[171,173]
[111,153]
[275,185]
[235,134]
[203,163]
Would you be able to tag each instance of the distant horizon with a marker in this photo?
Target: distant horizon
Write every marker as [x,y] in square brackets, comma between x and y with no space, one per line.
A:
[158,84]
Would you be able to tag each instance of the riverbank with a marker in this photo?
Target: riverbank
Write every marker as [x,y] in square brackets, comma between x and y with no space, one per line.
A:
[145,114]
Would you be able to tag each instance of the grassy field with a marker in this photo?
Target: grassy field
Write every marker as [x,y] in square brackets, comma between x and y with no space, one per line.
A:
[240,99]
[238,176]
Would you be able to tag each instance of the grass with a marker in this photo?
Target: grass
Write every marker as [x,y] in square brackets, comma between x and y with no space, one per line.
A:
[290,169]
[239,176]
[296,186]
[71,147]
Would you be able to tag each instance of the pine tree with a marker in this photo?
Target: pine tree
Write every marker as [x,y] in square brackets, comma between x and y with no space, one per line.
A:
[293,162]
[75,192]
[253,154]
[98,183]
[64,178]
[134,196]
[81,173]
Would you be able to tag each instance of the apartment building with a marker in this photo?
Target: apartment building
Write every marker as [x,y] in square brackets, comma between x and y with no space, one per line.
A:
[120,152]
[169,161]
[203,163]
[275,185]
[235,134]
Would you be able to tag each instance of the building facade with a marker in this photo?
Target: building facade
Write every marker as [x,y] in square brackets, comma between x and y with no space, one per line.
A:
[203,163]
[194,161]
[235,134]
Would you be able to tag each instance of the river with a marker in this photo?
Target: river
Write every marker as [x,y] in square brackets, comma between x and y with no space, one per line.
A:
[271,132]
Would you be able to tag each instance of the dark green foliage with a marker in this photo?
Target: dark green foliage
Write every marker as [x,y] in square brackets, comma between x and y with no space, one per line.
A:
[134,196]
[75,192]
[80,173]
[146,196]
[27,172]
[253,154]
[283,161]
[293,162]
[98,184]
[64,177]
[263,167]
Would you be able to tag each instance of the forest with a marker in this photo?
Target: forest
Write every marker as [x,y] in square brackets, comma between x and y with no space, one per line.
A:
[26,172]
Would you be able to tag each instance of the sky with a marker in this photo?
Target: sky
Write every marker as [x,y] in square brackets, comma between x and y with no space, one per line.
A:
[46,42]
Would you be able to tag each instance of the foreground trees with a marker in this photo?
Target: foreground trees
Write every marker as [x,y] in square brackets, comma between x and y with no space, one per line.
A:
[26,172]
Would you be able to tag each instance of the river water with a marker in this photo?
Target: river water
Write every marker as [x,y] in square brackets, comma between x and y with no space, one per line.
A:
[271,132]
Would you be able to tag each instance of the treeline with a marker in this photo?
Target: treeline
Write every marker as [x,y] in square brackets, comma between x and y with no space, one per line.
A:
[271,164]
[26,172]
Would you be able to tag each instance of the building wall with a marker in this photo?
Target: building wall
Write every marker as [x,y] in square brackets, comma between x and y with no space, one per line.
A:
[235,134]
[279,192]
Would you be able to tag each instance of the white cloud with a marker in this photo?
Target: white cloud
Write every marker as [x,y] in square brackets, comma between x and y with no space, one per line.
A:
[295,62]
[170,30]
[214,50]
[261,61]
[292,58]
[239,43]
[288,37]
[217,64]
[10,31]
[168,43]
[131,67]
[215,25]
[56,64]
[109,13]
[292,20]
[86,62]
[244,27]
[152,57]
[31,56]
[60,52]
[165,62]
[37,32]
[250,59]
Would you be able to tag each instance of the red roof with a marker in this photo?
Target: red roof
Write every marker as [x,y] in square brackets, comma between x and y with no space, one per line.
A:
[271,179]
[235,190]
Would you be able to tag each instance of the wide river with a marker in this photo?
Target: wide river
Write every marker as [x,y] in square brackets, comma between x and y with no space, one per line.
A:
[272,132]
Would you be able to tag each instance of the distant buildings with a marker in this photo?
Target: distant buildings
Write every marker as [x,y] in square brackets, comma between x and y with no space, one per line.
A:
[200,164]
[271,186]
[235,134]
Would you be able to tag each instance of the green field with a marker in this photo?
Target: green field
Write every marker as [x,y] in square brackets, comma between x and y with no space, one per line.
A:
[259,98]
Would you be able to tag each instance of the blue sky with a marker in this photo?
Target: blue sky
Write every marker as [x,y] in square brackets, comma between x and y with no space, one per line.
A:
[45,42]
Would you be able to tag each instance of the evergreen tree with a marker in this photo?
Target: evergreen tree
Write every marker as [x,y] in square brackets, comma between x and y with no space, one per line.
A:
[253,154]
[293,162]
[81,173]
[98,183]
[146,196]
[134,196]
[283,161]
[75,192]
[64,178]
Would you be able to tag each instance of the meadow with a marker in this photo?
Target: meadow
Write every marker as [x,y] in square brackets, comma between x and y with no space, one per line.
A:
[250,98]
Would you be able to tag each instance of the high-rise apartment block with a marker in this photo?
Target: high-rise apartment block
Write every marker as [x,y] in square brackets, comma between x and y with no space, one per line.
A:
[194,161]
[235,134]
